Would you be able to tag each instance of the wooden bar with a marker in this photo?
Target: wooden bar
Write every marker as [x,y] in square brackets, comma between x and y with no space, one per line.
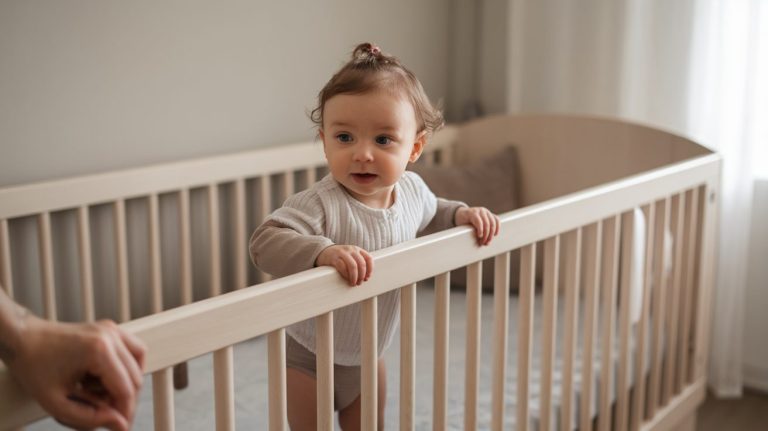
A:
[265,195]
[691,229]
[472,367]
[6,273]
[121,256]
[155,259]
[709,216]
[525,334]
[609,280]
[657,295]
[278,406]
[623,369]
[440,361]
[638,400]
[311,176]
[593,237]
[674,315]
[223,378]
[241,236]
[46,264]
[407,356]
[86,272]
[369,366]
[549,327]
[500,319]
[185,247]
[572,288]
[325,388]
[289,185]
[215,238]
[162,399]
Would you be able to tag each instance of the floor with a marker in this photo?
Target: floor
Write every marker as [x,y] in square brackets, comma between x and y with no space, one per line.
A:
[749,413]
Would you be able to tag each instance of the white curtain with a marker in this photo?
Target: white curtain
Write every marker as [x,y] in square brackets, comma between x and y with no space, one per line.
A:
[695,67]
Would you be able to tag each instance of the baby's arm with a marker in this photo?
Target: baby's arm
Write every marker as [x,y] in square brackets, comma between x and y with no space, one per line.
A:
[280,251]
[485,222]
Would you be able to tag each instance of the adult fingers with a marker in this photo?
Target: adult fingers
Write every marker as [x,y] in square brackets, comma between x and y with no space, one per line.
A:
[134,345]
[115,378]
[80,413]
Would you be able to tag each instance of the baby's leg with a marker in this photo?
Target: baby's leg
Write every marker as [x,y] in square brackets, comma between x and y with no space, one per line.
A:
[302,400]
[349,417]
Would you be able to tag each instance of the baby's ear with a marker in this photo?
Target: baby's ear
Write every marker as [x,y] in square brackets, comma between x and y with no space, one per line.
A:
[418,146]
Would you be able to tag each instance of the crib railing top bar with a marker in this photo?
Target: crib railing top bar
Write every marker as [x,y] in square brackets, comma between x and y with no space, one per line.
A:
[16,201]
[240,315]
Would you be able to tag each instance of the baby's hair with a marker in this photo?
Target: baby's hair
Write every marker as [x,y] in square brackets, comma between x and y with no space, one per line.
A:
[370,69]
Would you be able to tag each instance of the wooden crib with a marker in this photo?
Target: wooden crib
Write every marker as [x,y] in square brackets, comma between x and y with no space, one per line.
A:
[582,181]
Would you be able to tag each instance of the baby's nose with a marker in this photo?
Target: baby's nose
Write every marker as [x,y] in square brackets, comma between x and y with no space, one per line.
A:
[364,153]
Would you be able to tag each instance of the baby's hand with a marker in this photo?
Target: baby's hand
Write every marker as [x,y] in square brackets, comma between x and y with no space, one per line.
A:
[352,262]
[485,222]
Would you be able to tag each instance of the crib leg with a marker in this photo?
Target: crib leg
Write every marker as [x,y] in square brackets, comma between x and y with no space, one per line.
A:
[180,376]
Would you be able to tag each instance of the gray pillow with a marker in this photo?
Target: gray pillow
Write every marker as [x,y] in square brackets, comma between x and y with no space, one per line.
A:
[492,183]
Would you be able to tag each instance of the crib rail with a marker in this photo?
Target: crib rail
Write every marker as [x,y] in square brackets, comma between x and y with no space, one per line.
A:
[592,227]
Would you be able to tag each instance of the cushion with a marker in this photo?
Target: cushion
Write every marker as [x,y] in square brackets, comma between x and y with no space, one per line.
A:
[493,183]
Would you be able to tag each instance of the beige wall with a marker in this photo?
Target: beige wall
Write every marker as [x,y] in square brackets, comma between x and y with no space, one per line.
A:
[96,85]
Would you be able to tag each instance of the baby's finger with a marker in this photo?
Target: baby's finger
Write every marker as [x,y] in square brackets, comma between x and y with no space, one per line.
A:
[497,222]
[490,226]
[368,264]
[351,269]
[341,267]
[477,222]
[361,268]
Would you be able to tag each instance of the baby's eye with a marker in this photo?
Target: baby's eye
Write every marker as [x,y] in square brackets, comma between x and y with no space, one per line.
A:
[344,137]
[383,140]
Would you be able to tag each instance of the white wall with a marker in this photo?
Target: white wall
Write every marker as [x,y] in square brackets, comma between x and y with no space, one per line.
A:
[756,301]
[96,85]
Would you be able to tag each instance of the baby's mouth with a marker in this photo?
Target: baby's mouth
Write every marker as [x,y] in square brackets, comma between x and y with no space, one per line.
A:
[364,177]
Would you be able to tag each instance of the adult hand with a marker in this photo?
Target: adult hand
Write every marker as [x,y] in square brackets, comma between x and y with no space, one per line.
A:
[353,263]
[84,375]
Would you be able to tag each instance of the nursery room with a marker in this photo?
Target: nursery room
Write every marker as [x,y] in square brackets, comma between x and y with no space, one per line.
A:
[478,215]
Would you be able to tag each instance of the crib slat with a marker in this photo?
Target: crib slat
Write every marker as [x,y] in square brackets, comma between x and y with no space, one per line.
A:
[440,397]
[311,176]
[369,366]
[215,239]
[625,307]
[638,401]
[549,327]
[609,280]
[677,214]
[500,319]
[46,263]
[240,242]
[705,274]
[657,295]
[525,333]
[278,407]
[5,259]
[572,287]
[185,247]
[593,237]
[324,347]
[154,254]
[121,255]
[86,274]
[223,376]
[472,376]
[162,399]
[265,201]
[691,217]
[407,355]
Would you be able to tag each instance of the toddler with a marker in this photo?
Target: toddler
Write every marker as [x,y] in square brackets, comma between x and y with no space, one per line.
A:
[374,118]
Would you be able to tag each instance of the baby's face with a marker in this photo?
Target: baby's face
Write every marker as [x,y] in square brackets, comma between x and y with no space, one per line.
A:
[369,139]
